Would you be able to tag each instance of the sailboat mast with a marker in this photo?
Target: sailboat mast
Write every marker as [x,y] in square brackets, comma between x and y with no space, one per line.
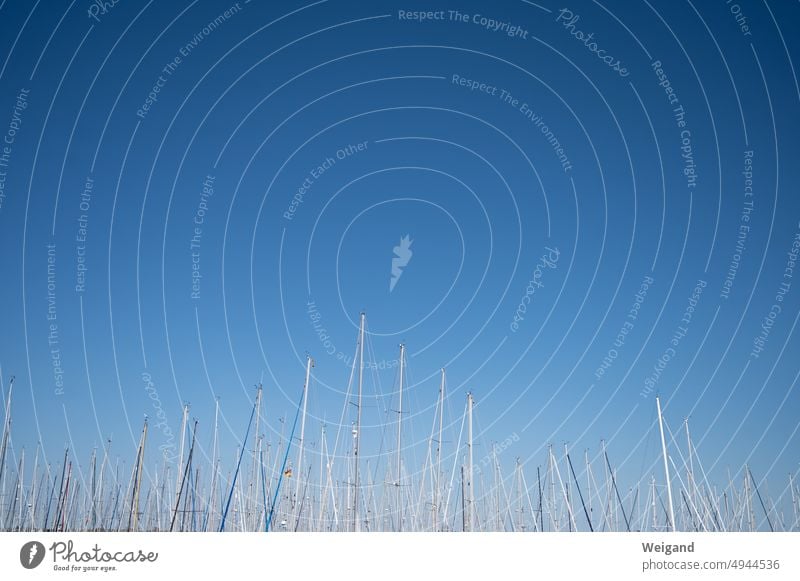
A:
[464,526]
[34,489]
[794,502]
[65,499]
[653,504]
[138,480]
[520,525]
[214,467]
[6,430]
[186,474]
[309,365]
[666,465]
[17,494]
[690,477]
[184,420]
[236,473]
[93,469]
[541,511]
[438,491]
[554,520]
[751,517]
[252,492]
[399,432]
[470,467]
[60,493]
[357,440]
[496,486]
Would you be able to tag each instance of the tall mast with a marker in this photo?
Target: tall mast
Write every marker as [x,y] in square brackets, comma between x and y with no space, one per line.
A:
[588,480]
[65,500]
[609,503]
[666,465]
[138,481]
[541,508]
[399,431]
[470,471]
[214,467]
[580,494]
[100,507]
[322,492]
[184,420]
[357,439]
[690,476]
[17,494]
[568,490]
[94,487]
[519,526]
[236,473]
[187,472]
[437,499]
[464,526]
[298,504]
[252,494]
[34,489]
[496,486]
[6,430]
[554,520]
[616,491]
[794,502]
[60,492]
[160,498]
[751,516]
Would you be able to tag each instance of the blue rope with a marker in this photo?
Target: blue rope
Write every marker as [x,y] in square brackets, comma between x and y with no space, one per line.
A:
[236,474]
[280,477]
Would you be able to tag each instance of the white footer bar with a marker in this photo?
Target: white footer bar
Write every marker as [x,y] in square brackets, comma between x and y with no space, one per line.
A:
[407,556]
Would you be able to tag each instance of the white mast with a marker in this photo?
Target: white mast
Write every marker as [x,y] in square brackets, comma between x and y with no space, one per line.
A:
[6,431]
[357,439]
[751,516]
[93,483]
[214,467]
[438,492]
[554,520]
[399,431]
[496,486]
[252,494]
[655,510]
[100,493]
[322,492]
[794,501]
[18,492]
[690,477]
[470,473]
[520,524]
[309,365]
[178,474]
[34,489]
[138,481]
[666,465]
[607,510]
[567,490]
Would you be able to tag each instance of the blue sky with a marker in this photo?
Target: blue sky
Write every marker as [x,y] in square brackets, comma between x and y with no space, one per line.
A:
[559,175]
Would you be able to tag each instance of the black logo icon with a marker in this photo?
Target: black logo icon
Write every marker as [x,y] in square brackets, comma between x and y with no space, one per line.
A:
[31,554]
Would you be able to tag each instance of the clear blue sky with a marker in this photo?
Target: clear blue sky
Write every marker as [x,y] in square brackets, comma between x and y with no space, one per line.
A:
[513,150]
